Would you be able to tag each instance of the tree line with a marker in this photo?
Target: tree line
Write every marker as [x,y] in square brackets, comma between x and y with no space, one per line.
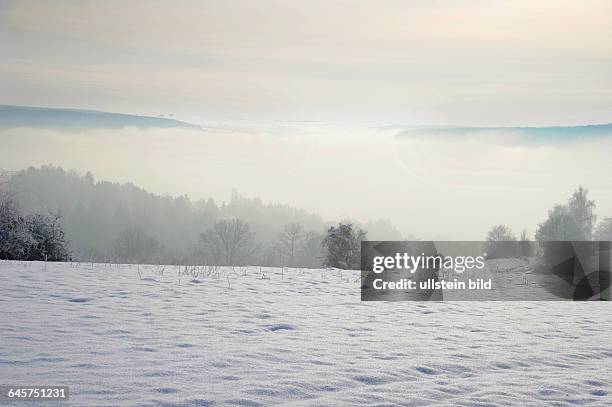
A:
[573,221]
[123,223]
[229,242]
[50,214]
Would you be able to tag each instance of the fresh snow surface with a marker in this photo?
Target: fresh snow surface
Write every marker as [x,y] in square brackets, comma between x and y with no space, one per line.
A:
[134,336]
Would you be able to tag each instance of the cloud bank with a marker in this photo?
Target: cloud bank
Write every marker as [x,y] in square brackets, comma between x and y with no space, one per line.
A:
[430,187]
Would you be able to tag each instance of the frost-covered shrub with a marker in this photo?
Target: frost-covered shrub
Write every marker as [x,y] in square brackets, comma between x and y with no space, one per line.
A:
[48,238]
[15,238]
[31,237]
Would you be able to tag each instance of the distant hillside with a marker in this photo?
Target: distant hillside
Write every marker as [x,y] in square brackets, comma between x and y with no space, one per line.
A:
[526,135]
[97,213]
[41,117]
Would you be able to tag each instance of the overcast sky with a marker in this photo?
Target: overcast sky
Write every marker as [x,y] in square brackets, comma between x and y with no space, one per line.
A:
[412,62]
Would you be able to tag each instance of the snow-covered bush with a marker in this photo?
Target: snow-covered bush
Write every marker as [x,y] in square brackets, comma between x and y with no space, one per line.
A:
[31,237]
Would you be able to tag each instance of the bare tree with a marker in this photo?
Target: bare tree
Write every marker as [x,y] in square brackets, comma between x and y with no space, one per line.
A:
[230,241]
[604,229]
[133,245]
[527,247]
[291,240]
[570,222]
[497,245]
[311,253]
[581,208]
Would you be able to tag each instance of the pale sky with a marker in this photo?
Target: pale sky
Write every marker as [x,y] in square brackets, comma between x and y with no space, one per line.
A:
[410,62]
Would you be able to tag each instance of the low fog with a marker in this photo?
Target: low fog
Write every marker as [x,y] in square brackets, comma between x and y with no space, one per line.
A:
[429,186]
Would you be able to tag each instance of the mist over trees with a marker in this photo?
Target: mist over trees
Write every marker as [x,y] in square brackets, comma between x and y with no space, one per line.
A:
[573,221]
[581,209]
[135,246]
[228,243]
[312,252]
[497,239]
[500,233]
[604,230]
[501,242]
[526,247]
[106,221]
[290,241]
[55,214]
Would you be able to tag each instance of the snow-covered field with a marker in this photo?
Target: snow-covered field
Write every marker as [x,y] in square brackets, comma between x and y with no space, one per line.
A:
[296,337]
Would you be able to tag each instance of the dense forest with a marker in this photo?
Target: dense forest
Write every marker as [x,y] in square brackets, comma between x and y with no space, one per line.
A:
[108,221]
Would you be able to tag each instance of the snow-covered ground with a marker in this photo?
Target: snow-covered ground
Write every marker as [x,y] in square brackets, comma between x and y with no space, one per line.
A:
[296,337]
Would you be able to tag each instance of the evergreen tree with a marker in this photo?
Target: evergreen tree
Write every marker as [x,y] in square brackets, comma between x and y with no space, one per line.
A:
[343,246]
